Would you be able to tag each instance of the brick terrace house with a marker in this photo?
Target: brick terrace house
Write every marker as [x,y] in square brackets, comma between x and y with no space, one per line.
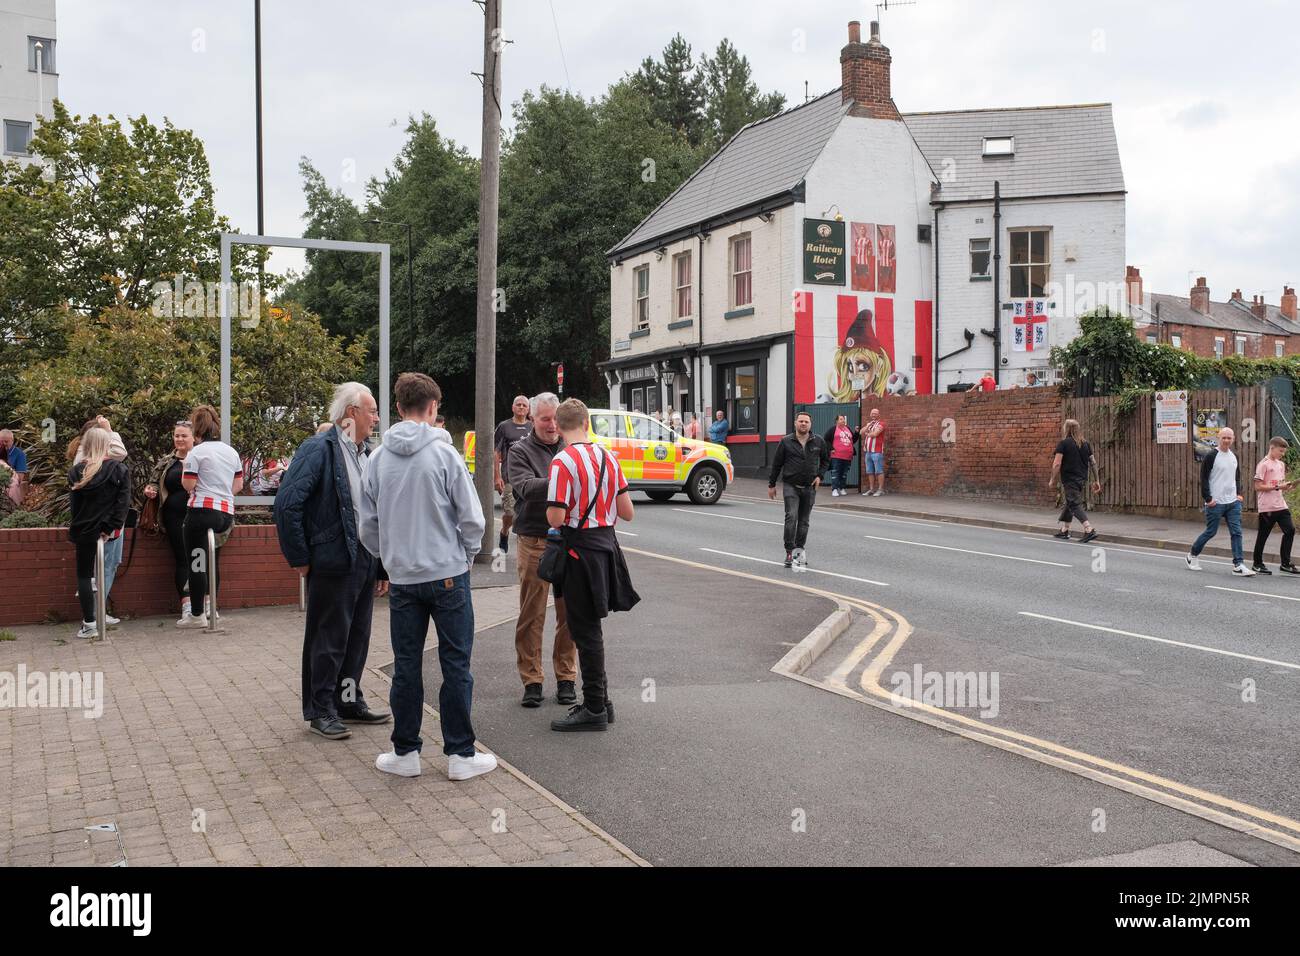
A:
[843,249]
[1212,329]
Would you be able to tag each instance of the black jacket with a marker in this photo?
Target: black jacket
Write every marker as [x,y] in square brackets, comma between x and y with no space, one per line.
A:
[528,473]
[1207,466]
[798,465]
[829,437]
[315,516]
[101,506]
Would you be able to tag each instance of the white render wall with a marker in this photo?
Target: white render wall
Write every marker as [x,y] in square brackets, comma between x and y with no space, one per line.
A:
[20,19]
[1094,227]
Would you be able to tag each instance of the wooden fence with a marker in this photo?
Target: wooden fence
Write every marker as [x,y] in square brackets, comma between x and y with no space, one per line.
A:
[1141,476]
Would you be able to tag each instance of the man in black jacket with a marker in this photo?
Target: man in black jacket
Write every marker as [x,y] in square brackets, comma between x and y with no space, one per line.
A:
[316,521]
[800,459]
[1223,497]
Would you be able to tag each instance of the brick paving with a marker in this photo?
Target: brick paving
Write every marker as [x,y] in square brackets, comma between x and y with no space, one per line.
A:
[201,757]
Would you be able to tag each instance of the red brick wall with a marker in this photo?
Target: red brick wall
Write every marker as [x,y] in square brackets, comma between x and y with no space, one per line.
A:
[1200,341]
[1001,448]
[38,570]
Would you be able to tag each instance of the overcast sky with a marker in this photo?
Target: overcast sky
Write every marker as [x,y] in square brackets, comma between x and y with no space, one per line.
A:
[1206,95]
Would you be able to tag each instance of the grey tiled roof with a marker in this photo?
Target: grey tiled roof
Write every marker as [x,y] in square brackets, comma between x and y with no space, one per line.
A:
[1274,317]
[1223,315]
[1059,150]
[764,160]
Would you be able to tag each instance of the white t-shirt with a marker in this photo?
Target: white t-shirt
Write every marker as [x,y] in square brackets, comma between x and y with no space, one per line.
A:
[1223,478]
[216,465]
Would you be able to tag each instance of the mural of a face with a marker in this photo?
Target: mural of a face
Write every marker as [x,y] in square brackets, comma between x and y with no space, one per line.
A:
[859,361]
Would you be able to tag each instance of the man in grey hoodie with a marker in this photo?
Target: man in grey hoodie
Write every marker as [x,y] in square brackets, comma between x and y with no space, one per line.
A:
[420,515]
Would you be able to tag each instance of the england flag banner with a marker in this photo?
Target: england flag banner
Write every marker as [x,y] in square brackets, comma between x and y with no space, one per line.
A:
[1029,325]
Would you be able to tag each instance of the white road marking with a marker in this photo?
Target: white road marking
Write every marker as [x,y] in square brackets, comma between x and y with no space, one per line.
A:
[630,534]
[1280,597]
[833,574]
[986,554]
[1153,553]
[732,517]
[1163,640]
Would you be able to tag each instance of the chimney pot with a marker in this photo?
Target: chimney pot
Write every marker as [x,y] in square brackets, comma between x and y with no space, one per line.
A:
[1133,280]
[864,75]
[1200,297]
[875,31]
[1236,293]
[1288,304]
[855,31]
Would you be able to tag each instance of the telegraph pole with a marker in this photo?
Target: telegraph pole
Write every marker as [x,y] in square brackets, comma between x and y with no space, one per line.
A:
[485,377]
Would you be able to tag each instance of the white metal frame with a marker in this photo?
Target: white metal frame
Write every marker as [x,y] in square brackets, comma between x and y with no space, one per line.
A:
[229,239]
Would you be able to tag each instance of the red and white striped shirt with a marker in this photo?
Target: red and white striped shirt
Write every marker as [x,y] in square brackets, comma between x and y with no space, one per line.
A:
[874,444]
[573,482]
[215,464]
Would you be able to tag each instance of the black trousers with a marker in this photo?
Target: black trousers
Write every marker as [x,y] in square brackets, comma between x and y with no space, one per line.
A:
[1267,519]
[798,509]
[86,553]
[1073,507]
[175,528]
[585,583]
[337,638]
[197,523]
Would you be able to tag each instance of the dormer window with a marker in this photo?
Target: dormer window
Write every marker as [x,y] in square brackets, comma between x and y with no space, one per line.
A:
[999,145]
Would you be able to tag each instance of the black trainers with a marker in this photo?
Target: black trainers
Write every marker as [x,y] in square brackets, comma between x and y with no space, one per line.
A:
[363,715]
[580,718]
[532,696]
[1289,569]
[1260,569]
[564,693]
[1063,535]
[331,728]
[1090,536]
[789,559]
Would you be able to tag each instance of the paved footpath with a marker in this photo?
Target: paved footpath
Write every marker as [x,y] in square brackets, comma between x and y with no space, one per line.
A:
[201,757]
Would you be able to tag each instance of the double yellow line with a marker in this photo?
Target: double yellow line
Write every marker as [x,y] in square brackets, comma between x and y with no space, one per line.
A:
[1215,808]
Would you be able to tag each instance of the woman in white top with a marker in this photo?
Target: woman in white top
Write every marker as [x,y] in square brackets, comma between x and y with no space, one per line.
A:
[213,475]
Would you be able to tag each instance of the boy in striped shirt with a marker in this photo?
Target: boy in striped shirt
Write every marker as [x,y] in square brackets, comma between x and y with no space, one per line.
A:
[586,479]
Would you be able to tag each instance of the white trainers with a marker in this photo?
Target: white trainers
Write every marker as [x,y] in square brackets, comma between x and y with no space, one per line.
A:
[1244,571]
[877,493]
[88,630]
[193,621]
[1193,563]
[462,768]
[112,621]
[407,765]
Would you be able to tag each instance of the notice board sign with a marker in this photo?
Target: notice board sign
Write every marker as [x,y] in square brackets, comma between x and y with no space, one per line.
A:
[824,252]
[1171,418]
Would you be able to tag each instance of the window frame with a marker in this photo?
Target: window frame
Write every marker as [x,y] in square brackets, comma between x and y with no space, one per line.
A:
[1009,151]
[728,401]
[1279,348]
[747,237]
[27,146]
[1220,346]
[641,303]
[679,288]
[988,262]
[1030,263]
[1176,340]
[49,54]
[1239,344]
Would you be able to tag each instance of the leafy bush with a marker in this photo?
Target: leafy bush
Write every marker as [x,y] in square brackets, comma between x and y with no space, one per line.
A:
[25,519]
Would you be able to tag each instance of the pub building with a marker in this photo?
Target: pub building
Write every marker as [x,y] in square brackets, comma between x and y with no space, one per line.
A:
[842,249]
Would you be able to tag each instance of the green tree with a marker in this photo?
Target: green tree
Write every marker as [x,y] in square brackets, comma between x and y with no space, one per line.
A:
[731,96]
[674,86]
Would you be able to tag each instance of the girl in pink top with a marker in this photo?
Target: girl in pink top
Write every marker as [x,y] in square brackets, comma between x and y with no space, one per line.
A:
[841,440]
[1270,482]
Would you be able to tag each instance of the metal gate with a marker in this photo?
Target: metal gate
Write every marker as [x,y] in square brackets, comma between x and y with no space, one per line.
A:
[823,417]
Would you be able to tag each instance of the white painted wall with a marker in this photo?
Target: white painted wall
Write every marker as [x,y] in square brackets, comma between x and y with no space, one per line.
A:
[1094,227]
[20,19]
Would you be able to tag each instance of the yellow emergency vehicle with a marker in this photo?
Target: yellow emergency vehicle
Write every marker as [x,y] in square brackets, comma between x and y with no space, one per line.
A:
[654,458]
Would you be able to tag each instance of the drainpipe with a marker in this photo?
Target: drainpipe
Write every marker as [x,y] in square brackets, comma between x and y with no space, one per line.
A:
[935,350]
[997,281]
[699,340]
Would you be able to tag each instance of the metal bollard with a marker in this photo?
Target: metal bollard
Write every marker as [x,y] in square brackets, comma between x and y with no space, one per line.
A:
[101,599]
[212,581]
[302,592]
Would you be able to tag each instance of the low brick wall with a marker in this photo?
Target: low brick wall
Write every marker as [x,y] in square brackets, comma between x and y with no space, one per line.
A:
[995,445]
[38,569]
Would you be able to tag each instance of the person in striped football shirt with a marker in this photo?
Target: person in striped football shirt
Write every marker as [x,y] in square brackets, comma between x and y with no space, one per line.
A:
[586,480]
[213,474]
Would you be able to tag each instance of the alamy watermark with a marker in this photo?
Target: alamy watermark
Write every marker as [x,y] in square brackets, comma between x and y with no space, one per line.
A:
[65,690]
[948,689]
[192,299]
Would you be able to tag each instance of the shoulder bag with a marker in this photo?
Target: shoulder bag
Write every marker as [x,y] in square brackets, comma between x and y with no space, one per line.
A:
[554,561]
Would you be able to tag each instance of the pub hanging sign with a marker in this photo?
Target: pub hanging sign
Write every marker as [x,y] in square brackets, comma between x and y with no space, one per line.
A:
[824,252]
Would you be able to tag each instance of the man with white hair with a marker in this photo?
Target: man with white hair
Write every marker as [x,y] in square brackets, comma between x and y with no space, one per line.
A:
[316,519]
[16,460]
[528,471]
[1221,492]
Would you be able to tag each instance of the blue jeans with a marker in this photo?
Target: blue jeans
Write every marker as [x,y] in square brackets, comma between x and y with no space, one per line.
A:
[112,558]
[1213,515]
[839,471]
[410,606]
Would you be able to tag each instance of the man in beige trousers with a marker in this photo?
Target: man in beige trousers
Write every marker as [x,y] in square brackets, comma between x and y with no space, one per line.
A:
[527,471]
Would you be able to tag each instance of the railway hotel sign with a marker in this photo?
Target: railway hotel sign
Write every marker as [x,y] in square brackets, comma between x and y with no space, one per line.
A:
[823,252]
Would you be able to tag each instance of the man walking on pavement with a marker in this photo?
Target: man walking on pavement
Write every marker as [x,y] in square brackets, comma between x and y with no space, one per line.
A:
[528,470]
[318,494]
[800,459]
[508,432]
[1270,482]
[420,514]
[873,454]
[1221,491]
[1071,463]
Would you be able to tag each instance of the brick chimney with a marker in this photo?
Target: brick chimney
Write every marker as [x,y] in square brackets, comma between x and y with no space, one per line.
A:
[1201,296]
[1257,307]
[1288,303]
[1133,281]
[864,74]
[1236,296]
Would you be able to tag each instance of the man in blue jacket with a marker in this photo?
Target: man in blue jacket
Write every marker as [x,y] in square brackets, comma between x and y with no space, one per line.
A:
[316,520]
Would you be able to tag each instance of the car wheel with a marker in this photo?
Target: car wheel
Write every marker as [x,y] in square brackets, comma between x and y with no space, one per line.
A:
[660,495]
[705,485]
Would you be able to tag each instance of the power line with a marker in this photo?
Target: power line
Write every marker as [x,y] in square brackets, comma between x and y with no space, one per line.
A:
[560,43]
